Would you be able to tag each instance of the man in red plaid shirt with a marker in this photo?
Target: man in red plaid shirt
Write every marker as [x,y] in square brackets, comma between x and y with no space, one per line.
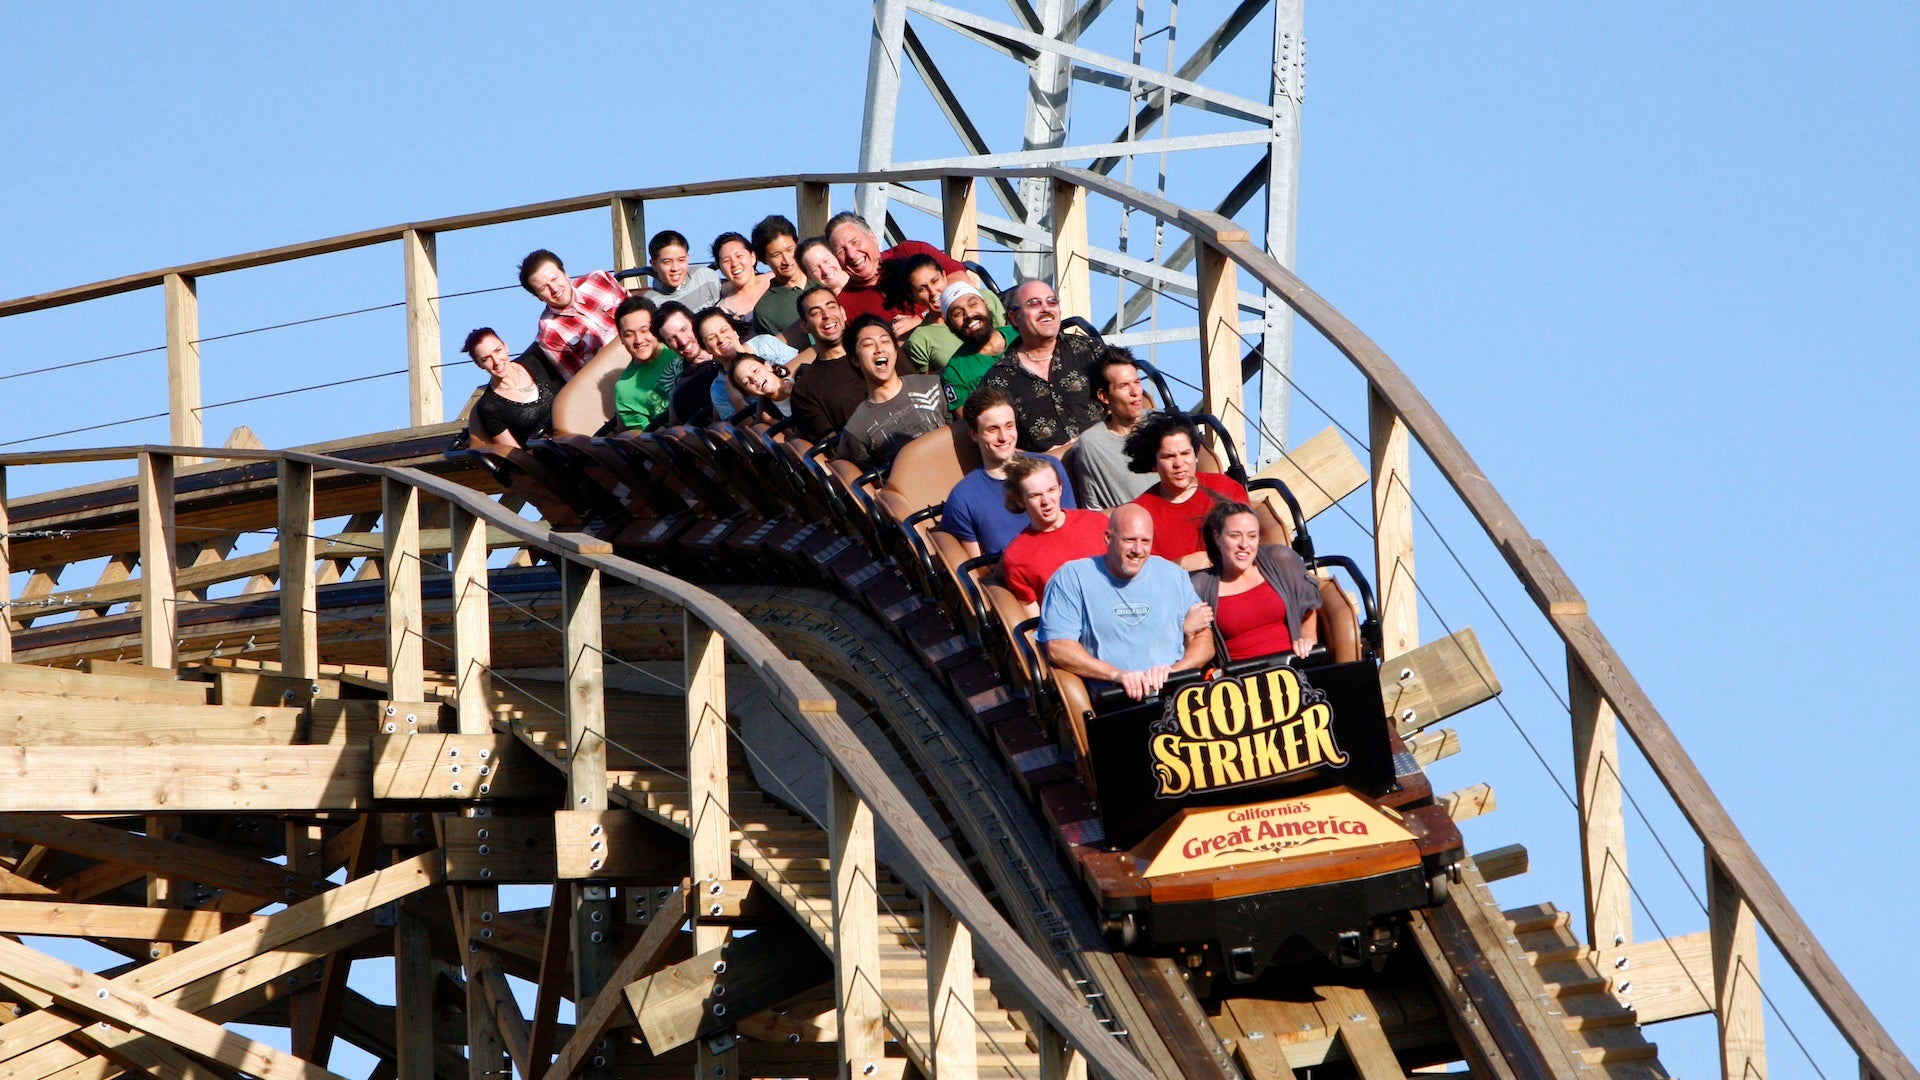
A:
[579,315]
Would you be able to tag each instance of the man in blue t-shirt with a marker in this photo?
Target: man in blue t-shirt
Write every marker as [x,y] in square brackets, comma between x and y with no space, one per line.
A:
[976,513]
[1126,617]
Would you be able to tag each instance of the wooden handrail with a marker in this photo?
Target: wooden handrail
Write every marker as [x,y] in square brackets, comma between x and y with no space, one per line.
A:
[1396,395]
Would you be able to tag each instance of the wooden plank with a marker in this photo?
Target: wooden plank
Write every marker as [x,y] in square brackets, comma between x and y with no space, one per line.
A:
[31,681]
[1500,863]
[1439,679]
[1221,391]
[437,766]
[598,1016]
[183,360]
[1360,1032]
[553,976]
[115,1002]
[813,206]
[413,980]
[1662,979]
[960,217]
[183,779]
[422,273]
[51,721]
[1739,1007]
[1059,1060]
[306,862]
[1391,446]
[57,919]
[1544,580]
[472,630]
[709,848]
[159,608]
[299,595]
[1320,472]
[1469,802]
[1433,744]
[361,840]
[1603,826]
[406,620]
[1072,273]
[951,1039]
[159,854]
[856,939]
[586,697]
[709,992]
[629,232]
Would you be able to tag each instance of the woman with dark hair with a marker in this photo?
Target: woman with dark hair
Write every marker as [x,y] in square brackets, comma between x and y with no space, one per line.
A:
[1264,601]
[517,405]
[741,282]
[1167,444]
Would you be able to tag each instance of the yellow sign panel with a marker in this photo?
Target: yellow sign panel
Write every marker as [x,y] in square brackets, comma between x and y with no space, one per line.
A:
[1311,824]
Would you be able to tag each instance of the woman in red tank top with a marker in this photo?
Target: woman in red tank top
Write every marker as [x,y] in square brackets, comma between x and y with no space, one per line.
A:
[1264,601]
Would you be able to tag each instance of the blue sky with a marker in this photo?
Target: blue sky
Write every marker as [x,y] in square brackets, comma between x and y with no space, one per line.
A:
[1654,264]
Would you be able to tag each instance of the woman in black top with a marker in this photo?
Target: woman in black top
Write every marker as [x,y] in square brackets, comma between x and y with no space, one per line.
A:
[518,403]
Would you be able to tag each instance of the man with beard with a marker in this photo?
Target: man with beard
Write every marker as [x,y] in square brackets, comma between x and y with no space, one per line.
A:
[1096,460]
[896,410]
[859,253]
[827,384]
[967,315]
[1045,372]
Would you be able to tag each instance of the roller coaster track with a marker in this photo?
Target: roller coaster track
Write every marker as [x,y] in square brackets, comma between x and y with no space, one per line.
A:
[135,822]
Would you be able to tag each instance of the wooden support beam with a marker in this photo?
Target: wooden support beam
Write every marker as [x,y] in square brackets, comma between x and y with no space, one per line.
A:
[1058,1059]
[306,865]
[711,823]
[112,779]
[413,977]
[44,918]
[1662,978]
[952,1040]
[712,990]
[593,914]
[487,1057]
[159,607]
[960,217]
[472,632]
[35,721]
[362,841]
[1392,528]
[1603,826]
[856,940]
[598,1016]
[1221,391]
[1738,1005]
[423,328]
[1502,862]
[553,977]
[6,575]
[1072,272]
[183,361]
[813,205]
[629,235]
[299,586]
[117,1003]
[400,503]
[1360,1032]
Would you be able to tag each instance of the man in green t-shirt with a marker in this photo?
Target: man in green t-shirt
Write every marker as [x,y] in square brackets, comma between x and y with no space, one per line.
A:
[982,343]
[645,389]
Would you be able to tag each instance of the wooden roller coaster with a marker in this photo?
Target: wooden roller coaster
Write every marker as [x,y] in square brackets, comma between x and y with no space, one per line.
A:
[481,794]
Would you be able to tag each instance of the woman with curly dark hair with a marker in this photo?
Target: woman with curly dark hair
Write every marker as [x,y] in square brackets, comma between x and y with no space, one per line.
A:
[1167,444]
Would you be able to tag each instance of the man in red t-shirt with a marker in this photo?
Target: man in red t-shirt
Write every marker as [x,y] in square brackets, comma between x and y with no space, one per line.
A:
[858,250]
[1054,535]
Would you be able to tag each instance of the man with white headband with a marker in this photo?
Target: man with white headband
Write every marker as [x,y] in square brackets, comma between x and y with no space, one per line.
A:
[965,312]
[930,344]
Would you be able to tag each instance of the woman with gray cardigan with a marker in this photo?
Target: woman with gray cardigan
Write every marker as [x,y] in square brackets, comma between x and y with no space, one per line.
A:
[1263,599]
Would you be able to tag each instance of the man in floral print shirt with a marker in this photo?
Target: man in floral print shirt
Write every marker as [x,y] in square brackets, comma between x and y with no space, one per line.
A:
[1044,372]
